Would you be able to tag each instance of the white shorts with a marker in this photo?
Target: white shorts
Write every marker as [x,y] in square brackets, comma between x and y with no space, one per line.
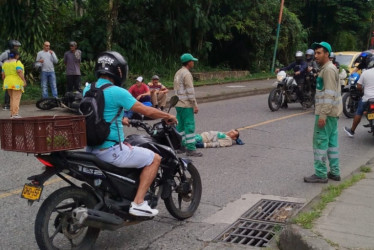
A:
[129,157]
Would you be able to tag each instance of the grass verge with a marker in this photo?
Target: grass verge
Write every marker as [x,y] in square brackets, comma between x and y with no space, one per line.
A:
[306,219]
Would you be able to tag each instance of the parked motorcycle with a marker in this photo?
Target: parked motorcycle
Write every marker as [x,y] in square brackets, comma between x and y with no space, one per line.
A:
[70,100]
[370,115]
[351,96]
[285,92]
[72,216]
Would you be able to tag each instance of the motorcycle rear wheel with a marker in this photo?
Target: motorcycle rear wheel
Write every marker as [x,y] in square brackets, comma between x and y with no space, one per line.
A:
[185,196]
[349,105]
[275,99]
[47,103]
[54,225]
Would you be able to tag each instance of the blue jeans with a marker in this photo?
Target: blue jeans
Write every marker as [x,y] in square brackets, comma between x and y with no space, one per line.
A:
[48,77]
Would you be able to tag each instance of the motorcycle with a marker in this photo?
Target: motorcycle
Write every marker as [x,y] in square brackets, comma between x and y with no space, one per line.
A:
[72,216]
[370,115]
[285,92]
[351,96]
[70,101]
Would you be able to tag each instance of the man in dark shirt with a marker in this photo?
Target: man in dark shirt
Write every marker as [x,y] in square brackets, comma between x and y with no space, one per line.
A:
[72,60]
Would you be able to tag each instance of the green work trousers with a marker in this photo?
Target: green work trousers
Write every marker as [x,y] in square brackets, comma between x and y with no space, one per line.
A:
[186,127]
[325,146]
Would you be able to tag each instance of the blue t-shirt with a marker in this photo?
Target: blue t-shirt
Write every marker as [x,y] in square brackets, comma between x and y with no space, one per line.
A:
[115,98]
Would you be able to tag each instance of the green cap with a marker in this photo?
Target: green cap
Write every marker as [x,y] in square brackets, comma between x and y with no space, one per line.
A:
[322,44]
[188,57]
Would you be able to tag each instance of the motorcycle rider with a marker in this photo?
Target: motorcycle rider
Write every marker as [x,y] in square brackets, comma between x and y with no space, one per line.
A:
[362,60]
[299,67]
[12,44]
[365,84]
[111,67]
[312,69]
[332,58]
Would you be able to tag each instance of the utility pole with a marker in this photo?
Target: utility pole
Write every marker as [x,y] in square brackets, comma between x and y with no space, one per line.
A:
[277,38]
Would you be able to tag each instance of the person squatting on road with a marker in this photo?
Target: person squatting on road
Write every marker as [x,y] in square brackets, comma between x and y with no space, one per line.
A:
[187,105]
[216,139]
[14,81]
[158,93]
[366,82]
[328,107]
[47,58]
[12,44]
[111,67]
[72,60]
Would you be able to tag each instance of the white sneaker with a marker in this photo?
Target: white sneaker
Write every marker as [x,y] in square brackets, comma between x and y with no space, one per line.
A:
[16,116]
[142,210]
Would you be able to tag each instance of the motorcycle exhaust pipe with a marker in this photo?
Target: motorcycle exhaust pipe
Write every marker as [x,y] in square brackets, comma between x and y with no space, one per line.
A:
[97,219]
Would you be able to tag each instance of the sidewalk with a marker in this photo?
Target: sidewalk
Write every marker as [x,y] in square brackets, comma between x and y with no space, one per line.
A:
[347,223]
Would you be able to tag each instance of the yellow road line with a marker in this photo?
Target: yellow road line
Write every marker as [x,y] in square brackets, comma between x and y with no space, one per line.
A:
[19,190]
[274,120]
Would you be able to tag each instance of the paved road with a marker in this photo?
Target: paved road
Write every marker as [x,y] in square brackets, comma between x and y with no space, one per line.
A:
[276,155]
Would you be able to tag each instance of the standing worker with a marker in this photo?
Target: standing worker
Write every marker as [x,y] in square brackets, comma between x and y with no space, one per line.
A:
[328,107]
[72,60]
[12,44]
[47,58]
[187,105]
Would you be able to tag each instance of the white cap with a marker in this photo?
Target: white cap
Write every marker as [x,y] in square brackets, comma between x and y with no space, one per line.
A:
[139,79]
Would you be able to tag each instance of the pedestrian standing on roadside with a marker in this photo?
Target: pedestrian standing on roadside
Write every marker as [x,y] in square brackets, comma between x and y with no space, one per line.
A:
[158,93]
[328,107]
[187,105]
[72,60]
[47,58]
[12,44]
[14,81]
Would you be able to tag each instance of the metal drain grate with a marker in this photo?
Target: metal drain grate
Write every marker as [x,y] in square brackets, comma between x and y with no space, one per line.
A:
[260,223]
[272,211]
[250,233]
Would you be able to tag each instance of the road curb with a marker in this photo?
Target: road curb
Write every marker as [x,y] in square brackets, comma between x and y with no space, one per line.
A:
[295,237]
[231,95]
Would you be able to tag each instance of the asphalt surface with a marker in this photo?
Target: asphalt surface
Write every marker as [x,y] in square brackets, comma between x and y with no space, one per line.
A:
[276,155]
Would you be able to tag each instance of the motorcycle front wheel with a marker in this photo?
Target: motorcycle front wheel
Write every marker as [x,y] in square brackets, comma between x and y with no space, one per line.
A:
[275,99]
[54,225]
[186,194]
[47,103]
[349,105]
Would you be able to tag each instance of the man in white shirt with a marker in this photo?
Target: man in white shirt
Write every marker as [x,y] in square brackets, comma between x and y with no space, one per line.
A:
[366,82]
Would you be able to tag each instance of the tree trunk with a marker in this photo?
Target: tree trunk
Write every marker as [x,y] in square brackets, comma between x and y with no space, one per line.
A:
[112,19]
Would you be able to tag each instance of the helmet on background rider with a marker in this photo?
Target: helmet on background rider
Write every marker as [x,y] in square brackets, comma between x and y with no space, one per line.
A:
[113,64]
[363,59]
[309,55]
[13,43]
[299,56]
[332,57]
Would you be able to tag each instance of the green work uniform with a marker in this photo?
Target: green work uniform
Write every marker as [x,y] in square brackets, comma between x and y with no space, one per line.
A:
[186,127]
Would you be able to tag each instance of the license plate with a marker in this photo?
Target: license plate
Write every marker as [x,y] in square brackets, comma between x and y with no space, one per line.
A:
[371,116]
[31,192]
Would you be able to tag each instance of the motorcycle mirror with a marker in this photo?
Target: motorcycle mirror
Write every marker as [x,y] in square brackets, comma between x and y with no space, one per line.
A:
[173,101]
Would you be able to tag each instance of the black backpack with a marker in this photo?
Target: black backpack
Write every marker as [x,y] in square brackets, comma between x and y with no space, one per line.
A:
[92,107]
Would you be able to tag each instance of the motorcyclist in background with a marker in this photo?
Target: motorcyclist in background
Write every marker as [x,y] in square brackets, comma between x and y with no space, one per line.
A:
[299,68]
[332,58]
[12,44]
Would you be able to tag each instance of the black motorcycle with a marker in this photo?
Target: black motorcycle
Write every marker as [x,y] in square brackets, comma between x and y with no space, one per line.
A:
[70,100]
[285,92]
[72,216]
[370,115]
[351,96]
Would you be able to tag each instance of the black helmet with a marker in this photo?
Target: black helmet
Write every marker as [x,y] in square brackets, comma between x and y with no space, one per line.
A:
[299,56]
[113,64]
[13,43]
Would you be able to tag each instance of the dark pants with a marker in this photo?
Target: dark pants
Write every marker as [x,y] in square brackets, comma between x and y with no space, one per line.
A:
[299,89]
[73,82]
[6,99]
